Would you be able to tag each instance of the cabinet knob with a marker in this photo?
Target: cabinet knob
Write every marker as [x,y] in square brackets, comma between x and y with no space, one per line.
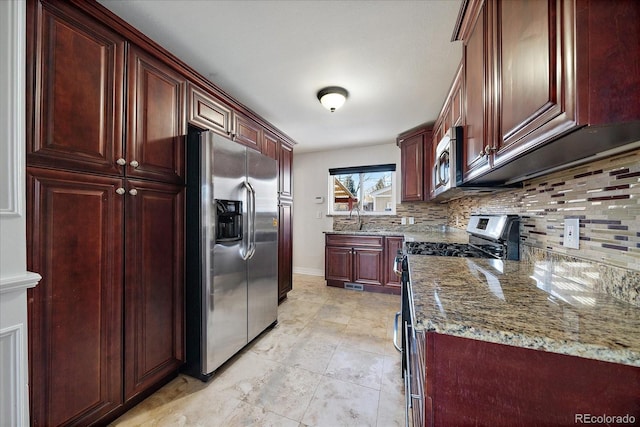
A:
[121,161]
[133,192]
[134,163]
[120,191]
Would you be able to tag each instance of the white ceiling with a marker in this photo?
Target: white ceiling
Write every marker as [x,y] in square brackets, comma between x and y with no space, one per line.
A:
[394,57]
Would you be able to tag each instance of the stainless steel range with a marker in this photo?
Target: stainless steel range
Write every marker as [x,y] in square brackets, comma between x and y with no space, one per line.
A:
[490,236]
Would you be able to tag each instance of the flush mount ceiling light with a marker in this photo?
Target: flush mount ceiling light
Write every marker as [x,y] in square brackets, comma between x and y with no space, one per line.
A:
[332,97]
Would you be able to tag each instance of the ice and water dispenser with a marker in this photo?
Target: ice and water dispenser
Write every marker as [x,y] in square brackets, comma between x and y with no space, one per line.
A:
[229,220]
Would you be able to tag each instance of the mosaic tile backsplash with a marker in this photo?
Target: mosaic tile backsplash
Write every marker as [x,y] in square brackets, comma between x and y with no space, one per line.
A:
[603,195]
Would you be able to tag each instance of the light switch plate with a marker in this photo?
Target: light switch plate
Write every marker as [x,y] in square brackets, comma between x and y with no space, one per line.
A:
[571,233]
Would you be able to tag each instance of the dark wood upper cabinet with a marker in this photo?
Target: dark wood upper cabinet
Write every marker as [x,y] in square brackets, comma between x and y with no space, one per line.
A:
[247,132]
[547,83]
[79,74]
[156,125]
[285,165]
[532,74]
[412,164]
[75,313]
[154,313]
[476,60]
[416,158]
[207,112]
[270,145]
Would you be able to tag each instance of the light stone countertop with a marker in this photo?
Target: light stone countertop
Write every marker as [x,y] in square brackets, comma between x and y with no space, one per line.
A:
[448,235]
[367,232]
[522,304]
[431,234]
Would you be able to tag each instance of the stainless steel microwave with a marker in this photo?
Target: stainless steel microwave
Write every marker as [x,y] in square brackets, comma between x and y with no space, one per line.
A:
[447,167]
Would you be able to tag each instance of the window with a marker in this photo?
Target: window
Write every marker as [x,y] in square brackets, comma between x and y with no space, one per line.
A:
[371,189]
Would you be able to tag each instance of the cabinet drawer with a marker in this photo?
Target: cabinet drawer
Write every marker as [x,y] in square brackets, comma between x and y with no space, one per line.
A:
[352,240]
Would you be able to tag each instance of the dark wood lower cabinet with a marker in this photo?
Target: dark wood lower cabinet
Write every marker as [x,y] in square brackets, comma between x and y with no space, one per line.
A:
[392,245]
[154,299]
[471,382]
[360,259]
[106,321]
[285,248]
[75,313]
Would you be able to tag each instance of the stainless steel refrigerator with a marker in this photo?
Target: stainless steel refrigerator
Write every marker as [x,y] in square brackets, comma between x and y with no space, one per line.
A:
[231,247]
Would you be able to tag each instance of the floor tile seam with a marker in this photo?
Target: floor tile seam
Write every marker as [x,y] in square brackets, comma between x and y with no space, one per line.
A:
[327,375]
[350,383]
[359,349]
[310,400]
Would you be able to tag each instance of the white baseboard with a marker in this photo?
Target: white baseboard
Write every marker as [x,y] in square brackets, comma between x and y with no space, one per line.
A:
[309,271]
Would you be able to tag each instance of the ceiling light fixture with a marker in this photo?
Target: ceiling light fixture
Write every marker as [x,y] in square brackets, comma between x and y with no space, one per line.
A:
[332,97]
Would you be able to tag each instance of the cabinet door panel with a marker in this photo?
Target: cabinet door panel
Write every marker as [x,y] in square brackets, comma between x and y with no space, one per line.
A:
[270,145]
[533,75]
[367,266]
[156,119]
[412,163]
[154,291]
[285,249]
[475,81]
[338,263]
[392,245]
[78,94]
[75,326]
[247,132]
[285,166]
[527,61]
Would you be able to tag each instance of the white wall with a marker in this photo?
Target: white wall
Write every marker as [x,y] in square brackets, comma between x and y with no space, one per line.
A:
[310,179]
[14,277]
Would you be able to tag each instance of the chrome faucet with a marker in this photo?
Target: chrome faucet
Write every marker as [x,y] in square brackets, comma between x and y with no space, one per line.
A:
[357,209]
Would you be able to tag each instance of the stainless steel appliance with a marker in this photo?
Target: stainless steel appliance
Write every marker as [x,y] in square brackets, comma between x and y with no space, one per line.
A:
[231,247]
[447,167]
[490,236]
[447,174]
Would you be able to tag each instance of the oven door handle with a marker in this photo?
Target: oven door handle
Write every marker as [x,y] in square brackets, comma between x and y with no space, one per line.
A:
[397,263]
[395,332]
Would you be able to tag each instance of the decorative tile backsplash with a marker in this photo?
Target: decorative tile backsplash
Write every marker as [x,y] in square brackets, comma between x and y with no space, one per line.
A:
[424,214]
[603,195]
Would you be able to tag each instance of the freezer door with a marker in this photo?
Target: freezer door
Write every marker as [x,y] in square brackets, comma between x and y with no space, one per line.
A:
[262,268]
[225,281]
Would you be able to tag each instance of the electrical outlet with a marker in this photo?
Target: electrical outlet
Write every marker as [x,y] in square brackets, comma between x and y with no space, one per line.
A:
[411,220]
[403,220]
[571,233]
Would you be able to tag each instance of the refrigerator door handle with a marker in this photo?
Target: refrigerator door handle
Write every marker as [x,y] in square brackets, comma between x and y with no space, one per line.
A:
[252,221]
[249,247]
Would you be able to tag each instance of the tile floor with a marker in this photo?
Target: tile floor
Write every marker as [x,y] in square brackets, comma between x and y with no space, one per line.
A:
[330,361]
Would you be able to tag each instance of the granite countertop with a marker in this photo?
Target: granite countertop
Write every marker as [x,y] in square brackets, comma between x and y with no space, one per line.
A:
[524,305]
[432,234]
[445,235]
[367,232]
